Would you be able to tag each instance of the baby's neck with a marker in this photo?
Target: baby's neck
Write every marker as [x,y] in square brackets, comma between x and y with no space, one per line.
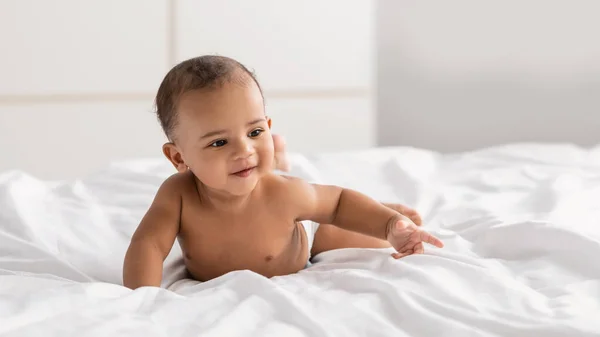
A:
[223,200]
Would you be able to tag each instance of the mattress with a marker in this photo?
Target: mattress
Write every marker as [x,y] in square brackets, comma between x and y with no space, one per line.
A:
[520,223]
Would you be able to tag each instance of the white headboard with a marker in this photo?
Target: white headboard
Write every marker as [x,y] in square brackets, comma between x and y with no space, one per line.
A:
[77,78]
[463,74]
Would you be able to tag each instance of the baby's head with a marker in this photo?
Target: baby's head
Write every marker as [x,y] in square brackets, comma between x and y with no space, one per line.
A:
[211,109]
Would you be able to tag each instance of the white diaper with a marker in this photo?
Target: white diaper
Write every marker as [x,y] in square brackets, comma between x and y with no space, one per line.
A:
[310,227]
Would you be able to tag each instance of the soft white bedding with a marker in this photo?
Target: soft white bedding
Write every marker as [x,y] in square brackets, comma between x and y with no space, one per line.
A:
[520,224]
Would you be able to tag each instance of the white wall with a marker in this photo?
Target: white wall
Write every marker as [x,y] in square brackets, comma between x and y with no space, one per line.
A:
[77,78]
[463,74]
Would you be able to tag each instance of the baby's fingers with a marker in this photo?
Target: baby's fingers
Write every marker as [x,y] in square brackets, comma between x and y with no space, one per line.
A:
[408,212]
[413,215]
[432,240]
[398,255]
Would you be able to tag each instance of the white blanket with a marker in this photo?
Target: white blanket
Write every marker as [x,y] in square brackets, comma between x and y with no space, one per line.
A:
[520,224]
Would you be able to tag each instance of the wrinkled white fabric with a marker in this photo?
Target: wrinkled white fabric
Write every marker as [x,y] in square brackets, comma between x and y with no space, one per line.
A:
[520,223]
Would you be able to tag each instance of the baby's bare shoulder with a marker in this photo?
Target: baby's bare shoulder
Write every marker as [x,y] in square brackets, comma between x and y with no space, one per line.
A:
[280,182]
[285,187]
[176,186]
[175,181]
[161,221]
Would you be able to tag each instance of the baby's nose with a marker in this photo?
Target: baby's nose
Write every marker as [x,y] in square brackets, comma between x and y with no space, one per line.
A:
[244,150]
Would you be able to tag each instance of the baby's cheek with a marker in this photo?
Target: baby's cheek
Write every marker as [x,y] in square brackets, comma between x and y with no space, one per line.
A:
[267,156]
[212,173]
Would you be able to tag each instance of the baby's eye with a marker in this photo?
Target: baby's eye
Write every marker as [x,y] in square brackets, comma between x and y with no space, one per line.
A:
[219,143]
[255,133]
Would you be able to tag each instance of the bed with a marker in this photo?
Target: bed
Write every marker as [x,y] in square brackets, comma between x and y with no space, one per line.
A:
[520,224]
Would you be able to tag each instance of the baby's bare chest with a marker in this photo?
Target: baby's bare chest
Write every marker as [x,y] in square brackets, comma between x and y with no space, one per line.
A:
[267,241]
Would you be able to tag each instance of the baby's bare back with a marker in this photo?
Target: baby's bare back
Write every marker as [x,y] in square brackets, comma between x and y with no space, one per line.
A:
[262,236]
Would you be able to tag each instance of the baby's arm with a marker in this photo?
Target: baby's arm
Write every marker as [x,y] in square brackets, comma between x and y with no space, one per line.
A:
[154,238]
[354,211]
[342,207]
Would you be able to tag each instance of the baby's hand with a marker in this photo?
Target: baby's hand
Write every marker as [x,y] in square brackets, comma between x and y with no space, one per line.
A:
[407,238]
[281,161]
[407,212]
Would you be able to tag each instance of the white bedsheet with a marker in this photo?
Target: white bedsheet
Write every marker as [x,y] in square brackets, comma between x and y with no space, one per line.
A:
[522,242]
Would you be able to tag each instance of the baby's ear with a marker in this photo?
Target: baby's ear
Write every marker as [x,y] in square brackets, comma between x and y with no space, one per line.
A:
[172,153]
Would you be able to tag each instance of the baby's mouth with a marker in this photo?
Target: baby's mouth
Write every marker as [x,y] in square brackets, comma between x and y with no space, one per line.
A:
[245,172]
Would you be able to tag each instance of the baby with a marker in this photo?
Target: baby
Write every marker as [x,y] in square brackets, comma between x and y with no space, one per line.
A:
[226,206]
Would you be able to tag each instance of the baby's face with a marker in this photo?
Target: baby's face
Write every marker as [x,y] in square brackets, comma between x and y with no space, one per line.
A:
[224,137]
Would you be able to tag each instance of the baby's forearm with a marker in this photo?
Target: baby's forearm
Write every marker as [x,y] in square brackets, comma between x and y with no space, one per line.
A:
[360,213]
[143,265]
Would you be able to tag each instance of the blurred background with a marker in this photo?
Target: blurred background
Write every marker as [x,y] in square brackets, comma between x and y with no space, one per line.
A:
[78,78]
